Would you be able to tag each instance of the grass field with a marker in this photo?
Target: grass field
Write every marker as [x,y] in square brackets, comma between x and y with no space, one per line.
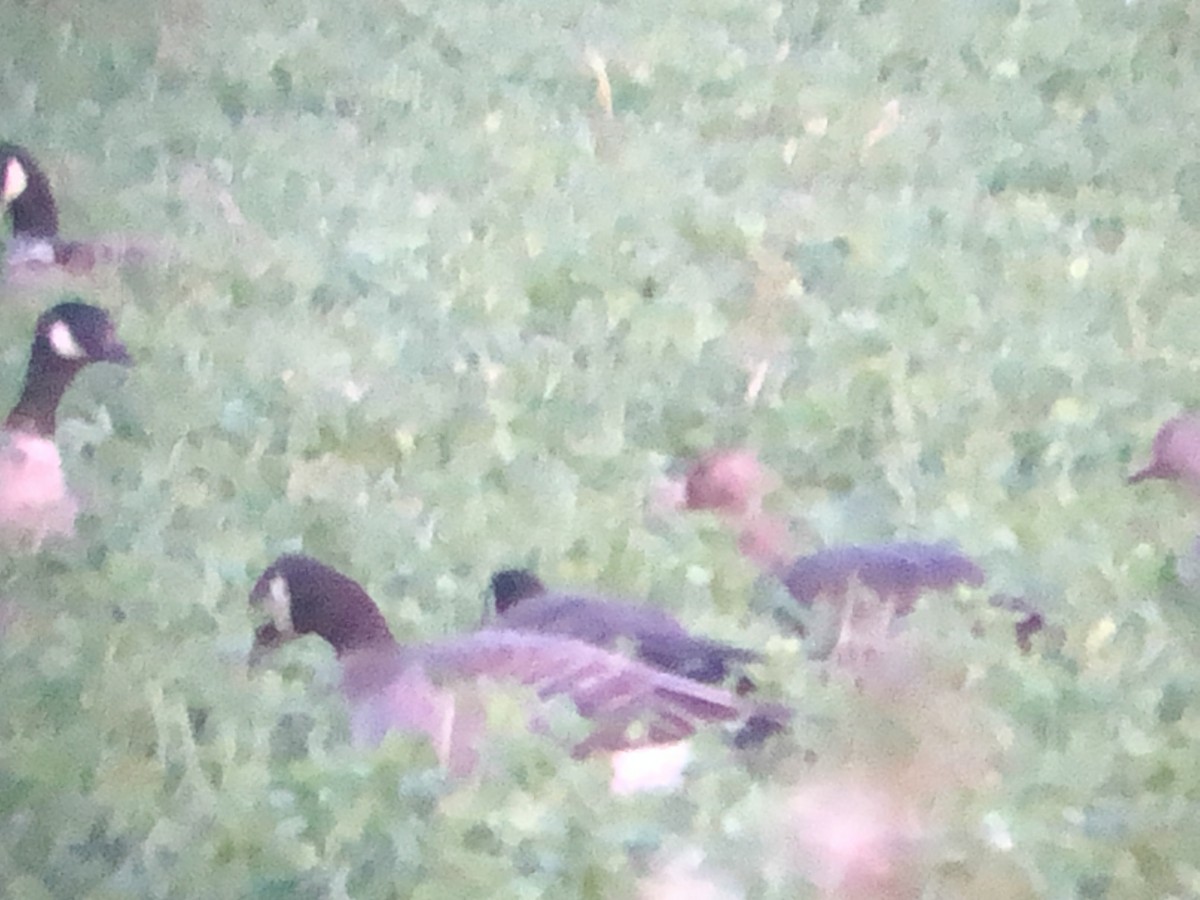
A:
[448,287]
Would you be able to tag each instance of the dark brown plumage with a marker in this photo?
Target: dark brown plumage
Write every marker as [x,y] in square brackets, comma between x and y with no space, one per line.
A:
[897,572]
[655,637]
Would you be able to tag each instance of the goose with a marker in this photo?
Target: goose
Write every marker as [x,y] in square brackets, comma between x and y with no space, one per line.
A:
[427,688]
[35,243]
[35,502]
[872,584]
[733,483]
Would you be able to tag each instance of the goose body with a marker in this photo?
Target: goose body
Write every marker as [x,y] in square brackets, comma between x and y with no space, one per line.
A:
[733,483]
[897,572]
[35,243]
[428,688]
[34,499]
[654,635]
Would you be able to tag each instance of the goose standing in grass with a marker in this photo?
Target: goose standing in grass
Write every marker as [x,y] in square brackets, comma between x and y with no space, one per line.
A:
[654,635]
[427,688]
[35,243]
[733,484]
[35,502]
[872,583]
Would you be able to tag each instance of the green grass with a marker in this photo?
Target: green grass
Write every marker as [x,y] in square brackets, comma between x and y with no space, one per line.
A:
[426,311]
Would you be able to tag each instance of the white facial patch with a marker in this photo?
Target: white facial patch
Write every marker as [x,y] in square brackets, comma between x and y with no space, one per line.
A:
[63,342]
[15,180]
[279,604]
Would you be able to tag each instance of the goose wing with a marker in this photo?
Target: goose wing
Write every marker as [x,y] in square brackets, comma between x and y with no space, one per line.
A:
[658,638]
[609,689]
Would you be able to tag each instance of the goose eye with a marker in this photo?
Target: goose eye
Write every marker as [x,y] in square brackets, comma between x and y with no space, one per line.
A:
[278,604]
[15,180]
[63,342]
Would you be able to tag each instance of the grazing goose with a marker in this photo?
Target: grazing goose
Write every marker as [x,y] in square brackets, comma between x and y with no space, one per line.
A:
[655,636]
[35,243]
[34,500]
[426,688]
[733,483]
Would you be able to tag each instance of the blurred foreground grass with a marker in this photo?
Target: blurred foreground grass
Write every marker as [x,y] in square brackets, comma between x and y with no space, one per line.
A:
[429,309]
